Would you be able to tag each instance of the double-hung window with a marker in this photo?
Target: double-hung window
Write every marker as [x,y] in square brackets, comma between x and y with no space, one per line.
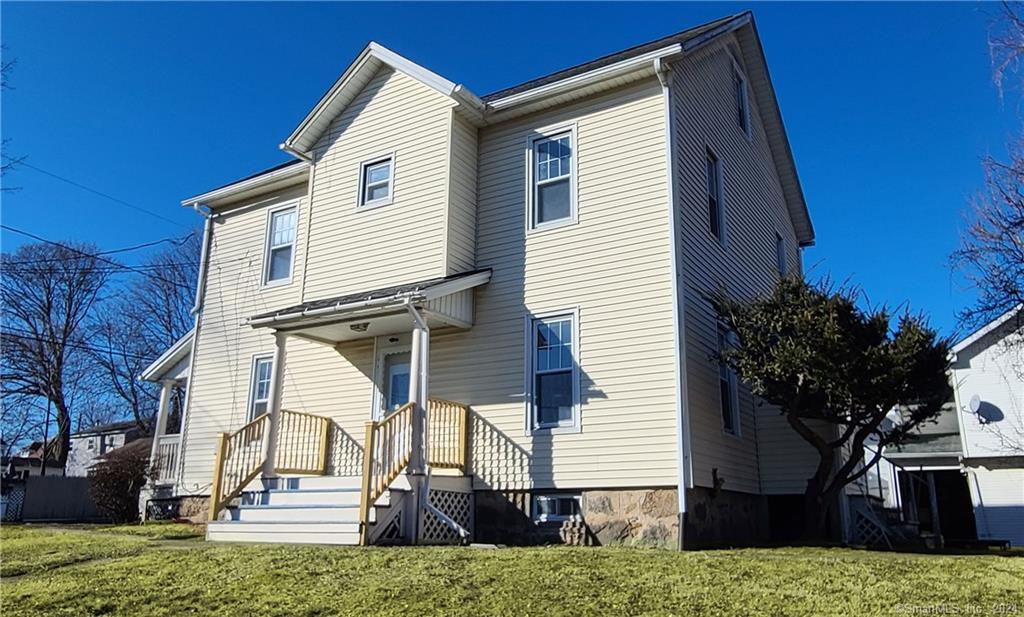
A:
[554,379]
[375,182]
[280,245]
[727,386]
[742,101]
[716,210]
[553,187]
[780,255]
[555,508]
[259,389]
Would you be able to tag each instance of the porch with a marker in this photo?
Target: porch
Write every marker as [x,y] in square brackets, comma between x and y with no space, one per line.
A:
[271,479]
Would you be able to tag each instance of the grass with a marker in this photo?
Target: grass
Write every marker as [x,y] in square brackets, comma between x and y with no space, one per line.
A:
[153,578]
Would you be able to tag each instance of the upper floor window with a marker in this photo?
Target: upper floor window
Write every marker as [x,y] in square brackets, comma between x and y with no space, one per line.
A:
[554,378]
[780,255]
[553,185]
[375,182]
[259,389]
[716,210]
[742,100]
[280,245]
[727,386]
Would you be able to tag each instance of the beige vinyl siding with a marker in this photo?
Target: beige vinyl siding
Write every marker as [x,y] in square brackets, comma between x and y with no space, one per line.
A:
[353,249]
[222,360]
[614,265]
[462,197]
[705,117]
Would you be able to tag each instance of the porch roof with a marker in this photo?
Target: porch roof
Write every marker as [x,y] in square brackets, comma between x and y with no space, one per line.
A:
[317,314]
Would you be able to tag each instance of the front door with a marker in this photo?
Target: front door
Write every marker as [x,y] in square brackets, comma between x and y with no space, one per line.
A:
[396,381]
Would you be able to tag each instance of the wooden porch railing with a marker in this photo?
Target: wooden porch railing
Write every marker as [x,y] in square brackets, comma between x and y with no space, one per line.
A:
[448,429]
[166,462]
[387,449]
[302,443]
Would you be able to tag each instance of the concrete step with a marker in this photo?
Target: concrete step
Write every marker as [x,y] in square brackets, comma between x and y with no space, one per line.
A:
[321,496]
[298,514]
[285,533]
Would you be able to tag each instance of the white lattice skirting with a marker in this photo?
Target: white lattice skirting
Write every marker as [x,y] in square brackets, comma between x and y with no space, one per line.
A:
[457,506]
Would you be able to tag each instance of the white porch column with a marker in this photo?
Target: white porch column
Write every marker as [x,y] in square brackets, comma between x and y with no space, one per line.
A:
[274,407]
[418,395]
[160,427]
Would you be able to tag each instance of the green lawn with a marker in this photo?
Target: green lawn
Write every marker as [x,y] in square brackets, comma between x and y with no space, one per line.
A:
[138,576]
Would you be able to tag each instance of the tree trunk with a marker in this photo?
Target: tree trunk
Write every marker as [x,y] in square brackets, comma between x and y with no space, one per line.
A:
[815,510]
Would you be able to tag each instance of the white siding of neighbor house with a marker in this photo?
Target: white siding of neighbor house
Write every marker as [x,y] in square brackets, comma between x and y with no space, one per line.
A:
[354,249]
[993,370]
[998,498]
[705,117]
[462,197]
[614,265]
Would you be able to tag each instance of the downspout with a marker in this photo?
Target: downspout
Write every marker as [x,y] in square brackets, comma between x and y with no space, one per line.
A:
[683,451]
[197,307]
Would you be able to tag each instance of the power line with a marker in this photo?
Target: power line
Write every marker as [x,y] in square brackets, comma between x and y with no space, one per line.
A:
[101,194]
[174,241]
[26,335]
[93,256]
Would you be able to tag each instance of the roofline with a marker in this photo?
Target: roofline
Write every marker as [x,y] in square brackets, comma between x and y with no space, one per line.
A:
[430,293]
[458,92]
[296,168]
[985,330]
[168,358]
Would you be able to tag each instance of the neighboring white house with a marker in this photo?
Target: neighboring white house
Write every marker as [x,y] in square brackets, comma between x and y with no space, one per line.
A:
[988,381]
[88,445]
[458,316]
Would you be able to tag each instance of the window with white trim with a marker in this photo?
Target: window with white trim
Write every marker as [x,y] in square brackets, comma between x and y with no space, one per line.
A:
[375,182]
[259,388]
[780,255]
[742,101]
[552,194]
[554,379]
[727,386]
[280,245]
[556,507]
[716,210]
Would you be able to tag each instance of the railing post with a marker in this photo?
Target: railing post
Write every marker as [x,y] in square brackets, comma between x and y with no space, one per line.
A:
[274,410]
[325,433]
[218,475]
[464,439]
[368,472]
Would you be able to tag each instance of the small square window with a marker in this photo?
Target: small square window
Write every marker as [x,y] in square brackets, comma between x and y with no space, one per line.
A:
[556,508]
[375,182]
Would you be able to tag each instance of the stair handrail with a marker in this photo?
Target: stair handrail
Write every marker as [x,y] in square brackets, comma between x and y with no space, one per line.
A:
[387,450]
[448,434]
[302,443]
[237,462]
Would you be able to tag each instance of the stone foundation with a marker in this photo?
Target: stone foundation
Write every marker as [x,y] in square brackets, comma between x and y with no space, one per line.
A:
[724,518]
[194,508]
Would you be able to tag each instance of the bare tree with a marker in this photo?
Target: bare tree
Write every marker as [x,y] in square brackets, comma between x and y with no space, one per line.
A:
[991,253]
[7,162]
[148,317]
[47,292]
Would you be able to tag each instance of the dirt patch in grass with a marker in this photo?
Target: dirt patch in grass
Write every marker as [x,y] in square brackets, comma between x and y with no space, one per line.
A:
[308,580]
[157,531]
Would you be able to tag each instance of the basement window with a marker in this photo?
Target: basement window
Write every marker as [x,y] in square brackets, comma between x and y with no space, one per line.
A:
[556,508]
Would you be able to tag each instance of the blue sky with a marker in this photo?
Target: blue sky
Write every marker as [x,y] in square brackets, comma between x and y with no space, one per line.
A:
[889,108]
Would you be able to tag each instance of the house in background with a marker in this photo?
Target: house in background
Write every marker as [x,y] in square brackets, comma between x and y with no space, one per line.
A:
[988,382]
[88,445]
[456,316]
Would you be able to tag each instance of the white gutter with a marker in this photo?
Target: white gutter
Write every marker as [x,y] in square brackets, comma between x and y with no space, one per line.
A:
[336,308]
[683,445]
[290,150]
[245,185]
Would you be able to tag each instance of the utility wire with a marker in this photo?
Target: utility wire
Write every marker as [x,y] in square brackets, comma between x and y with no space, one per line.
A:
[101,194]
[93,256]
[26,335]
[174,241]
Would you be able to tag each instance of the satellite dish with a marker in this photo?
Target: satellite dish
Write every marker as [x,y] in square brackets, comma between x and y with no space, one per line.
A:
[975,404]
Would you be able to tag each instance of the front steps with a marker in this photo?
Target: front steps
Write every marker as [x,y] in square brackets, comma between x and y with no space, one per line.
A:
[306,510]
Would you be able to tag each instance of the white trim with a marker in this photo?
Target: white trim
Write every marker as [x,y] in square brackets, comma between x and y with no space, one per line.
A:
[546,134]
[265,281]
[255,360]
[536,517]
[985,330]
[361,203]
[575,425]
[181,349]
[683,446]
[296,169]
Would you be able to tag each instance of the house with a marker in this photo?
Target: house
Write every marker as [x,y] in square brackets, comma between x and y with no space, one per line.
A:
[988,383]
[88,445]
[455,316]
